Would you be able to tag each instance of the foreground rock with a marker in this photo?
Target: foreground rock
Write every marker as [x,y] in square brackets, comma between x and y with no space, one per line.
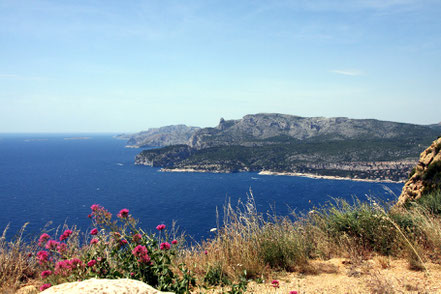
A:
[101,286]
[426,175]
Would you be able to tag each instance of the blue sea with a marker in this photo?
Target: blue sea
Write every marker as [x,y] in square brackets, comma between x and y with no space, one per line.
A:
[48,178]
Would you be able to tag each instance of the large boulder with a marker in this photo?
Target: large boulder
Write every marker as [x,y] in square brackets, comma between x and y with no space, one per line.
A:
[425,177]
[101,286]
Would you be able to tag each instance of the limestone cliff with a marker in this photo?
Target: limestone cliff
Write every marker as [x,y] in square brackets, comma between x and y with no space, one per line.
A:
[425,177]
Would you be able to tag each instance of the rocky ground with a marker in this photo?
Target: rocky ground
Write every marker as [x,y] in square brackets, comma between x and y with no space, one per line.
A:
[338,275]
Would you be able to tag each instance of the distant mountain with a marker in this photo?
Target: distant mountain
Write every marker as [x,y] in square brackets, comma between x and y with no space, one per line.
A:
[273,128]
[164,136]
[271,142]
[435,126]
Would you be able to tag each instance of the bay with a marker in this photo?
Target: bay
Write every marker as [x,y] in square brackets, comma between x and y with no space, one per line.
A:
[57,177]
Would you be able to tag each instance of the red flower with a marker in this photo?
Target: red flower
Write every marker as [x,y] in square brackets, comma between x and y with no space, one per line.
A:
[275,283]
[45,286]
[137,238]
[42,256]
[52,245]
[160,227]
[91,263]
[95,207]
[62,248]
[65,235]
[165,246]
[94,231]
[174,242]
[45,274]
[123,213]
[43,238]
[141,252]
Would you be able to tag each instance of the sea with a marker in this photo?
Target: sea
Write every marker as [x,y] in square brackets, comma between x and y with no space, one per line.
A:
[48,180]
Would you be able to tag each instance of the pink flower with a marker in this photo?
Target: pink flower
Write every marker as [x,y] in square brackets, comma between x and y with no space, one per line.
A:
[132,274]
[75,262]
[165,246]
[52,245]
[123,213]
[160,227]
[45,274]
[65,235]
[174,242]
[62,248]
[141,252]
[137,238]
[123,242]
[95,207]
[91,263]
[43,238]
[94,231]
[205,252]
[293,292]
[94,241]
[275,283]
[42,256]
[45,286]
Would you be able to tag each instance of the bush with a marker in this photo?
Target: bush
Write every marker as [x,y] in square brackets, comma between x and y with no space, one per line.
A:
[117,249]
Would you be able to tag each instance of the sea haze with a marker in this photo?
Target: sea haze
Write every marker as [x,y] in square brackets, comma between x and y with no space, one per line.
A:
[50,178]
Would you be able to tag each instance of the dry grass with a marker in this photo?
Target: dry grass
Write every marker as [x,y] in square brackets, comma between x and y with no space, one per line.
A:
[17,266]
[339,244]
[261,245]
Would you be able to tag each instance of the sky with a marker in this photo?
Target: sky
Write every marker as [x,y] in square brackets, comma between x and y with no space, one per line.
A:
[126,66]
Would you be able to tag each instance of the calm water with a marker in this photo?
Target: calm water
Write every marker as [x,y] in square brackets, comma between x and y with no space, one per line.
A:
[47,178]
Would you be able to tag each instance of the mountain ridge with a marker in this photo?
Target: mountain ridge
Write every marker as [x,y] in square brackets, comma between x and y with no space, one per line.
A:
[344,147]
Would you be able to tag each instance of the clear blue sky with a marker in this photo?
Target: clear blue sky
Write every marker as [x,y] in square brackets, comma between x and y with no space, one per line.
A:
[121,66]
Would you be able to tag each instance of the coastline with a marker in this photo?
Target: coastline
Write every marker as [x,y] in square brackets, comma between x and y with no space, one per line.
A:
[292,174]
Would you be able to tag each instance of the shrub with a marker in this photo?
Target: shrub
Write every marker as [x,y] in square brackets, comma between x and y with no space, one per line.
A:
[117,249]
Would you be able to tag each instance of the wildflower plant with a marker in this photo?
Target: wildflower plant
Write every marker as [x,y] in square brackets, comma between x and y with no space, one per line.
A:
[117,248]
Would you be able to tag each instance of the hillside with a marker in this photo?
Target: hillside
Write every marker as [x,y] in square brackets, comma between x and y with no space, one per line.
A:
[343,147]
[163,136]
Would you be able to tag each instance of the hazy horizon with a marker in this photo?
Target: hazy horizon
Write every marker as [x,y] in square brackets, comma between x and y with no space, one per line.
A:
[117,67]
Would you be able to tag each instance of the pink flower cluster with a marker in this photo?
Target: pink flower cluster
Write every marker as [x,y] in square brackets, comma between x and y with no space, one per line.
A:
[52,245]
[64,267]
[45,286]
[137,238]
[123,213]
[65,235]
[165,246]
[100,214]
[160,227]
[141,253]
[45,274]
[43,239]
[91,263]
[42,256]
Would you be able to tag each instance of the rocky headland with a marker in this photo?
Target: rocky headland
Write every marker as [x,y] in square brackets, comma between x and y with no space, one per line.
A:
[159,137]
[316,146]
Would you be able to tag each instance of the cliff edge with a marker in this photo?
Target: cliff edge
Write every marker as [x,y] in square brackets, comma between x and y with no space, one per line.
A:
[425,177]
